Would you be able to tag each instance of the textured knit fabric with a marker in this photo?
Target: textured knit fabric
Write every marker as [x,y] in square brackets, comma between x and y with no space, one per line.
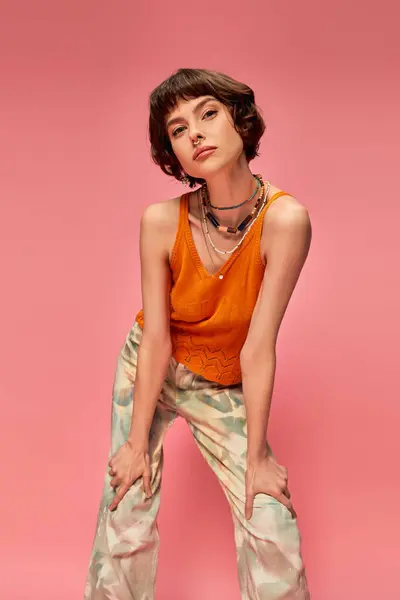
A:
[124,557]
[211,313]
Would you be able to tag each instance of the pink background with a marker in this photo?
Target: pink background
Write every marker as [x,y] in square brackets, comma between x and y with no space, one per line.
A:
[75,175]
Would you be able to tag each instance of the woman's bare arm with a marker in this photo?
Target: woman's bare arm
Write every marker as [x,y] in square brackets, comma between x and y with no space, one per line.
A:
[155,347]
[289,235]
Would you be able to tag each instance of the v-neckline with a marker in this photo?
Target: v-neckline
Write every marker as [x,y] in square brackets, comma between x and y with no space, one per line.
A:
[194,252]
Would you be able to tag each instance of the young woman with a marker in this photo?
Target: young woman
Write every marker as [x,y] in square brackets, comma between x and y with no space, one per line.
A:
[219,265]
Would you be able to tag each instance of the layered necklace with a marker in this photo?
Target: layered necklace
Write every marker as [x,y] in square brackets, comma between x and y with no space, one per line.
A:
[245,225]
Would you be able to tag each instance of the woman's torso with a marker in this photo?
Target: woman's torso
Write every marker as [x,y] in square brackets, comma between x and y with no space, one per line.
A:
[210,314]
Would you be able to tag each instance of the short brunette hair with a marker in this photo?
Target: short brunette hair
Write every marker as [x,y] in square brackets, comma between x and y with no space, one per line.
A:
[186,84]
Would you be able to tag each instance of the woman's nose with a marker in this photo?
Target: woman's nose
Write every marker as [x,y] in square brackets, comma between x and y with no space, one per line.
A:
[195,136]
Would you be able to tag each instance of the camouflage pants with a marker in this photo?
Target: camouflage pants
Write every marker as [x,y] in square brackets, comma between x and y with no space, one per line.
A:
[124,556]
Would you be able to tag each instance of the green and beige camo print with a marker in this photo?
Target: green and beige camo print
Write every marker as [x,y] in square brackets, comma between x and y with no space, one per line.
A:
[123,562]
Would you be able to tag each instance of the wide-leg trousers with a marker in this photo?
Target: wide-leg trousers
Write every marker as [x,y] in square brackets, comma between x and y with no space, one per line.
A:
[124,556]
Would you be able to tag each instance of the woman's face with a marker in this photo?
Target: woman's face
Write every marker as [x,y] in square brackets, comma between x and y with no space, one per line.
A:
[209,121]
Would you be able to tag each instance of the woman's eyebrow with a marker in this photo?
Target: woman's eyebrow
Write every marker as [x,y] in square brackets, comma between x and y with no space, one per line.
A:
[196,109]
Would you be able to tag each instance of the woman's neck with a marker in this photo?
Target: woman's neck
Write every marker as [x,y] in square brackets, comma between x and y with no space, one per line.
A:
[229,188]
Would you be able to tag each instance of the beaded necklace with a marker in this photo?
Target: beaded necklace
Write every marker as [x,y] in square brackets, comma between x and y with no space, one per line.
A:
[227,229]
[264,196]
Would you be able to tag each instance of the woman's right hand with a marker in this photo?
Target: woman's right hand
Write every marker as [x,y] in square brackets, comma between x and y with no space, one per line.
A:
[126,466]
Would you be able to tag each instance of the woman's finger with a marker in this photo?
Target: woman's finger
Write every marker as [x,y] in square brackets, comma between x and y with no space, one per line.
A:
[283,471]
[146,485]
[288,503]
[282,480]
[248,509]
[118,496]
[147,476]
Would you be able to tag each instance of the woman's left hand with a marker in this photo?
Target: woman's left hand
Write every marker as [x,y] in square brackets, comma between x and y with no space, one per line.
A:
[266,476]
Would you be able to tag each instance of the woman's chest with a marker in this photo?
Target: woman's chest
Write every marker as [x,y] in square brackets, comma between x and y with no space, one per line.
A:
[211,250]
[227,299]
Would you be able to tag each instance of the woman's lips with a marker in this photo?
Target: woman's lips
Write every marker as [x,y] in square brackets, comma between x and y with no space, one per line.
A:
[205,153]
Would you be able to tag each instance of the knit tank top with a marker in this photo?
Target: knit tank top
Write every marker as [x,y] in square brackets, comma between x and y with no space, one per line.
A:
[210,314]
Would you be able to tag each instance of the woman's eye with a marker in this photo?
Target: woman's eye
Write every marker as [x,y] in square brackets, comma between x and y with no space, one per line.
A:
[176,131]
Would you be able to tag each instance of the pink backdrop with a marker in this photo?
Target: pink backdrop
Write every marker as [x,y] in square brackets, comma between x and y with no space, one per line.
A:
[75,175]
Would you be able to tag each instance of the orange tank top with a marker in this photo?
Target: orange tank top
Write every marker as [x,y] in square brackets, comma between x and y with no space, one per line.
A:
[210,314]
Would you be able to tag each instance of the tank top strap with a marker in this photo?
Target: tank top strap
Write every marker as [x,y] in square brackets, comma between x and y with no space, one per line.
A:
[273,198]
[180,232]
[259,223]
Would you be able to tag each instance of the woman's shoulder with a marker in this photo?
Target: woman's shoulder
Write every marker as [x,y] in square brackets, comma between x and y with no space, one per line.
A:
[168,211]
[164,212]
[281,212]
[163,218]
[286,200]
[283,206]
